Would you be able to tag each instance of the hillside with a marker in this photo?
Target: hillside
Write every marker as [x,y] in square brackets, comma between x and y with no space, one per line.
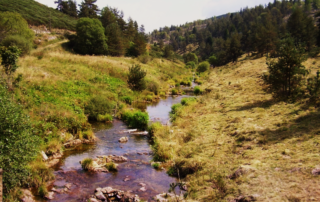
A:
[39,14]
[237,141]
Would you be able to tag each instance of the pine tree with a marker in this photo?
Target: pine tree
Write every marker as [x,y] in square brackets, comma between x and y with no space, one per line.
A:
[286,73]
[89,9]
[234,50]
[115,40]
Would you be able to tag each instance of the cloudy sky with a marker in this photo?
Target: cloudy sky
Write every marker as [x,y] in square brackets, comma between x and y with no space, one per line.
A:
[155,14]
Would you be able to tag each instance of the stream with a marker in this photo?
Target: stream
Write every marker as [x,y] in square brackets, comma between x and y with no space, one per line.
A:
[138,168]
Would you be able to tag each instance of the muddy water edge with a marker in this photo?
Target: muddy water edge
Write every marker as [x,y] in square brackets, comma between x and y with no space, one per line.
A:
[138,168]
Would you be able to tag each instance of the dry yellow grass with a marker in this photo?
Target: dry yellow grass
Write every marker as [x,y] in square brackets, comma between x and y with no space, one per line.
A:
[239,124]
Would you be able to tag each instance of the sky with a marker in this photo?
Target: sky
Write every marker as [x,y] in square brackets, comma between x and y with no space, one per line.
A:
[154,14]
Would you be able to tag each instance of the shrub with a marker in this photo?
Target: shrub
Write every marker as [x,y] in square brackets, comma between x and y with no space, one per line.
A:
[191,64]
[197,90]
[111,166]
[156,165]
[19,41]
[190,57]
[87,164]
[89,135]
[149,98]
[144,59]
[153,86]
[136,119]
[18,146]
[53,147]
[98,105]
[106,117]
[174,91]
[136,79]
[203,66]
[42,190]
[127,99]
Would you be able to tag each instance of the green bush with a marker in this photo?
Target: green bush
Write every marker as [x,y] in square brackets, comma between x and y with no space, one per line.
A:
[136,79]
[191,64]
[197,90]
[136,119]
[127,99]
[156,165]
[203,66]
[86,164]
[19,41]
[190,57]
[174,91]
[153,86]
[18,144]
[106,117]
[98,105]
[144,59]
[175,111]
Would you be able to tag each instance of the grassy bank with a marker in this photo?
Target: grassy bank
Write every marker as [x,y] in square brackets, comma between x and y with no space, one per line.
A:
[238,125]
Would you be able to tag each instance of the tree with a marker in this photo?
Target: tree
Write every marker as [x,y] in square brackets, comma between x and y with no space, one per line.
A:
[9,61]
[234,50]
[68,7]
[190,57]
[203,66]
[88,9]
[136,79]
[115,40]
[90,37]
[286,73]
[18,146]
[167,53]
[213,60]
[14,24]
[316,4]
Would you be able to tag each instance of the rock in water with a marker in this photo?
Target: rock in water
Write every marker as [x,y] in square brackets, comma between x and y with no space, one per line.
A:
[123,140]
[100,195]
[49,195]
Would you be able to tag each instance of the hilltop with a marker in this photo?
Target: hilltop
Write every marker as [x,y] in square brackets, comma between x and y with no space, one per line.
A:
[38,14]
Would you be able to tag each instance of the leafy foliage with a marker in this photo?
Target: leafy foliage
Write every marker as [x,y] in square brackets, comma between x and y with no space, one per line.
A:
[203,66]
[90,37]
[10,58]
[136,79]
[136,119]
[19,41]
[286,73]
[18,146]
[96,106]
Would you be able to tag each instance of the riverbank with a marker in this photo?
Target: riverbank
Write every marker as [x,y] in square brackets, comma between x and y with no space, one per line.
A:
[238,143]
[58,88]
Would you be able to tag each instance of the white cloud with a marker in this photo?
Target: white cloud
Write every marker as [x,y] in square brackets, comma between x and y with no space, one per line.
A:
[155,14]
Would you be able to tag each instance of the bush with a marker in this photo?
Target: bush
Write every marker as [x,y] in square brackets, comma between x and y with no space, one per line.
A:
[197,90]
[154,128]
[153,86]
[89,135]
[144,59]
[87,164]
[112,167]
[191,64]
[190,57]
[156,165]
[18,145]
[136,79]
[19,41]
[127,99]
[42,190]
[174,91]
[203,66]
[98,105]
[106,117]
[136,119]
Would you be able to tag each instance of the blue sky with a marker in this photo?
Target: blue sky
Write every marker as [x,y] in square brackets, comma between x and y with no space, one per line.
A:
[155,14]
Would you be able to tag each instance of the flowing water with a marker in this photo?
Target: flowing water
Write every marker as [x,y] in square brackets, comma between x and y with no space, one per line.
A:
[138,167]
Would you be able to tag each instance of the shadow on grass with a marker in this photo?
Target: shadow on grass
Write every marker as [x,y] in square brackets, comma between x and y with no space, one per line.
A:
[304,127]
[261,104]
[68,47]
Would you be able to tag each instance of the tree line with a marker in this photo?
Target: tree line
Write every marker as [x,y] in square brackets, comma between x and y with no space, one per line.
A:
[256,31]
[104,32]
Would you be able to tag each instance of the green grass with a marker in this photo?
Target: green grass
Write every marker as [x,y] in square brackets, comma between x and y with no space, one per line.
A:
[39,14]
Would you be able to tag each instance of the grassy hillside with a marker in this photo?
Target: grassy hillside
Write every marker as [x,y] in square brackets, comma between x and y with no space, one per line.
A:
[39,14]
[239,125]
